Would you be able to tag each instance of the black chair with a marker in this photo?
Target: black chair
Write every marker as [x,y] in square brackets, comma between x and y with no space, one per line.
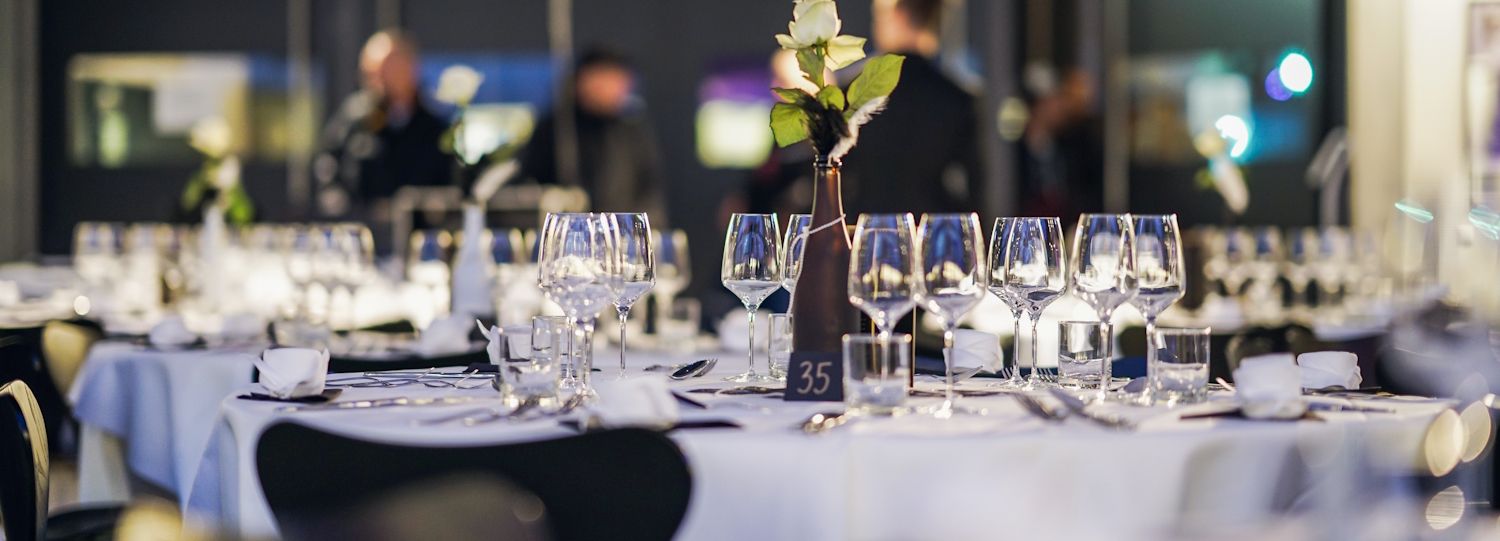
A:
[21,358]
[1262,340]
[616,484]
[24,468]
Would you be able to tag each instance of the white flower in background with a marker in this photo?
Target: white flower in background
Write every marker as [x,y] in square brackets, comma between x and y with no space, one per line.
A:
[211,136]
[813,22]
[227,175]
[457,85]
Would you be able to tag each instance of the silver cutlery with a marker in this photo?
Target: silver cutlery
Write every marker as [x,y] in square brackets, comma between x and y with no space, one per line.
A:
[1079,408]
[1039,409]
[382,403]
[687,370]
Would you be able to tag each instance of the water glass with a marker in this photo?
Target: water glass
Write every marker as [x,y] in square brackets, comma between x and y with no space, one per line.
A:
[1181,371]
[535,379]
[1081,360]
[876,371]
[780,344]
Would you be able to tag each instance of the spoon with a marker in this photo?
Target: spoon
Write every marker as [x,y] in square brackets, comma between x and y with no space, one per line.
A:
[693,369]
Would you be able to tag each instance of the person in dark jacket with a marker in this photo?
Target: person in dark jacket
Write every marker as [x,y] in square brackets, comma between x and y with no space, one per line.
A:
[615,157]
[922,153]
[381,138]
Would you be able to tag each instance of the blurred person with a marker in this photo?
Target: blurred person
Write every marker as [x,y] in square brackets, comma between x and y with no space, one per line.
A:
[617,157]
[1062,150]
[382,137]
[922,153]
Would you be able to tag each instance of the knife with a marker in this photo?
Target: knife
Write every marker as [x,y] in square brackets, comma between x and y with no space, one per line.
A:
[383,403]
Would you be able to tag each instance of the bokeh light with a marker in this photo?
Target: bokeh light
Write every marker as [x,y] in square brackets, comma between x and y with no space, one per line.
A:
[1296,72]
[1233,128]
[1275,89]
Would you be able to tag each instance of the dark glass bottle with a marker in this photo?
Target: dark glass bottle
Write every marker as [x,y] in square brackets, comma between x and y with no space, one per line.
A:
[821,313]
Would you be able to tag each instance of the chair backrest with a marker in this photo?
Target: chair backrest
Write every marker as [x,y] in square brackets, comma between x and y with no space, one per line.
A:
[614,484]
[23,463]
[65,345]
[1262,340]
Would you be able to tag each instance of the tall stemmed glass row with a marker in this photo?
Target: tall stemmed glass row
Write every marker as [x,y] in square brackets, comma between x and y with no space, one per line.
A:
[942,266]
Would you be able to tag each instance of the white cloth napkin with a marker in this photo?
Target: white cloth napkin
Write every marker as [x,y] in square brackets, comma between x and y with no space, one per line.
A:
[293,372]
[733,330]
[10,293]
[643,401]
[1269,387]
[1328,368]
[171,331]
[973,348]
[447,336]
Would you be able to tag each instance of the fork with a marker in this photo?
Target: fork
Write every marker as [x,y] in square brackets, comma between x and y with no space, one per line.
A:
[1037,408]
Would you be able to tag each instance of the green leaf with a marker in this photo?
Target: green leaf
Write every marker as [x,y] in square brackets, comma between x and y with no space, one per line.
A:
[876,80]
[788,124]
[831,97]
[791,95]
[811,62]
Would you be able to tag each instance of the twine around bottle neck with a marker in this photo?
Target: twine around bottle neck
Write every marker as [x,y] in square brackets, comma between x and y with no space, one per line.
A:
[822,162]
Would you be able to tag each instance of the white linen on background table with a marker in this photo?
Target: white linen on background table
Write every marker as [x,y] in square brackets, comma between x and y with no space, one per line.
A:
[162,405]
[1016,478]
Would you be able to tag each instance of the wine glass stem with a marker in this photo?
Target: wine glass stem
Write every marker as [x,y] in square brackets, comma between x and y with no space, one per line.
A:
[1150,352]
[624,315]
[584,349]
[750,355]
[1015,346]
[948,366]
[1036,369]
[1106,361]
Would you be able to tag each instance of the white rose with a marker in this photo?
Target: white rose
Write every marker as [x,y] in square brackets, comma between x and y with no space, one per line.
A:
[845,50]
[813,22]
[457,85]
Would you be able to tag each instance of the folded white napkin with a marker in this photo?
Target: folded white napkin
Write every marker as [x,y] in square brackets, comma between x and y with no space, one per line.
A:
[973,348]
[733,330]
[242,327]
[643,401]
[293,372]
[171,331]
[10,293]
[1269,387]
[1328,368]
[447,336]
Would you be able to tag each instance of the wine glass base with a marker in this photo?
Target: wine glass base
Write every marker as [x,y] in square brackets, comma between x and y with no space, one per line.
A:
[752,377]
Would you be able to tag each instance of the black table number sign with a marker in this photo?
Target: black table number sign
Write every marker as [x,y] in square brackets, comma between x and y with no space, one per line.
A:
[815,376]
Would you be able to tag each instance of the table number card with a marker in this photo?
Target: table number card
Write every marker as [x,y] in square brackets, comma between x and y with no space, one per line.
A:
[815,377]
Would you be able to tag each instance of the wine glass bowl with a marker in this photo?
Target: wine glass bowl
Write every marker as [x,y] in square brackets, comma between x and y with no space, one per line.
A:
[881,268]
[1102,271]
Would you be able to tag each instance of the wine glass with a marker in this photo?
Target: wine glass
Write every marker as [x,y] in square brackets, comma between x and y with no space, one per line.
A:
[999,239]
[882,267]
[1103,274]
[791,252]
[951,279]
[751,269]
[1302,248]
[1160,277]
[583,268]
[637,267]
[1334,250]
[547,247]
[1035,276]
[1264,268]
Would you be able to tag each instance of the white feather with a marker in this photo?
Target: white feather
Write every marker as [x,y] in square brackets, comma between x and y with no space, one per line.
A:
[859,118]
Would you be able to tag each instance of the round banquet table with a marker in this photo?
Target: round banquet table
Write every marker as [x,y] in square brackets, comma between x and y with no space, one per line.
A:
[1006,474]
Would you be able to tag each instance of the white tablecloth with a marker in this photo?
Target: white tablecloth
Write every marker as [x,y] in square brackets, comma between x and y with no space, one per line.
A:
[161,405]
[1005,475]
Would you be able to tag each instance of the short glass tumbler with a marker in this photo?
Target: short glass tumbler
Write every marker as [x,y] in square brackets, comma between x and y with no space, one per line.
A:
[1080,354]
[780,344]
[535,379]
[876,372]
[1181,371]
